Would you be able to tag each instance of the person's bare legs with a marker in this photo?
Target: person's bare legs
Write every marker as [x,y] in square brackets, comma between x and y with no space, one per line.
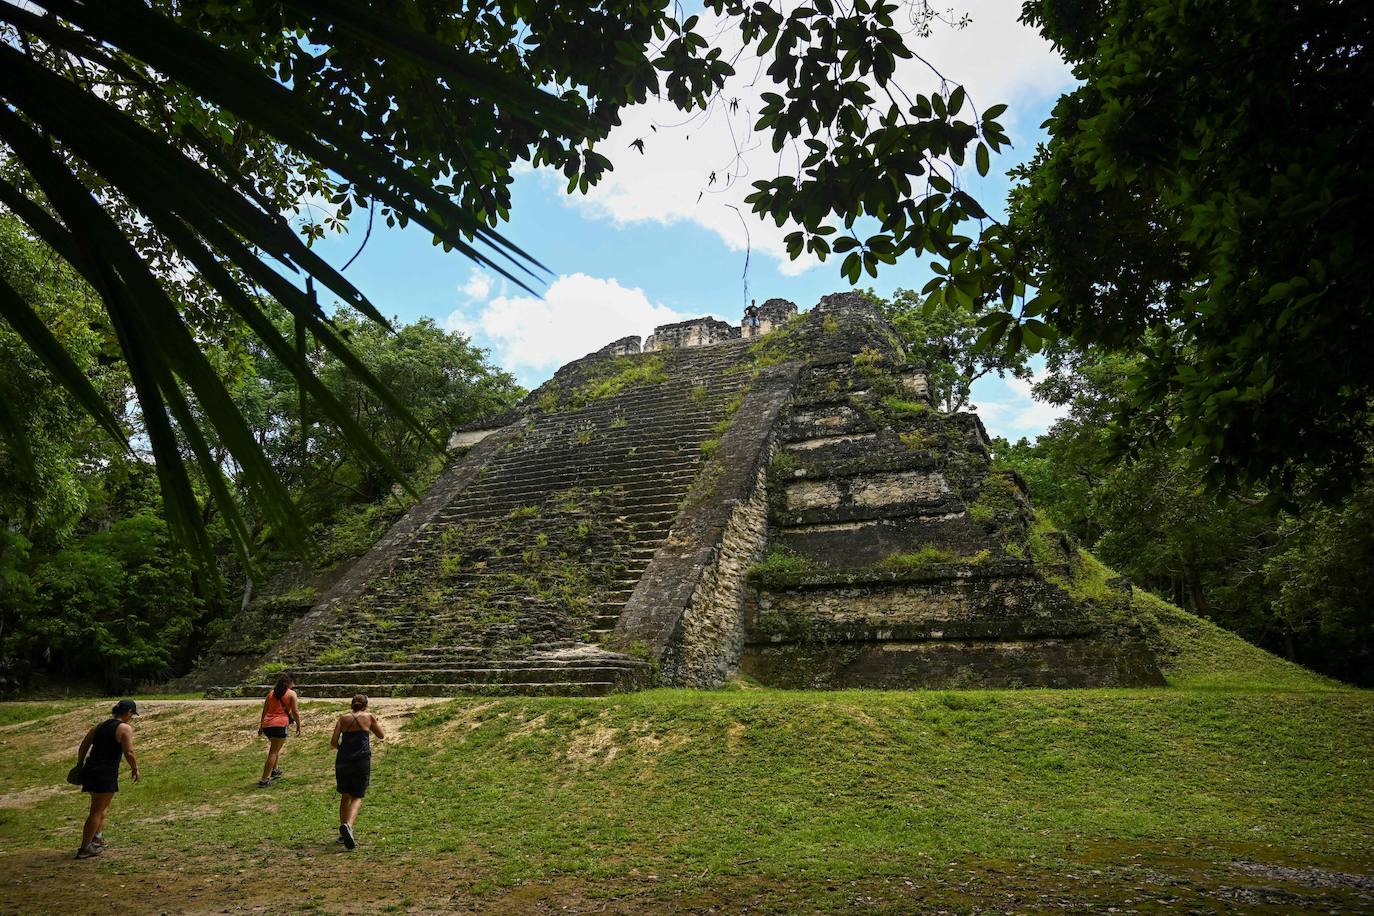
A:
[274,746]
[95,820]
[348,809]
[343,807]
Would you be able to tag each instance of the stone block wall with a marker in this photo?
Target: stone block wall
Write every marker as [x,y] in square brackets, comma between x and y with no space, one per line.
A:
[697,332]
[622,347]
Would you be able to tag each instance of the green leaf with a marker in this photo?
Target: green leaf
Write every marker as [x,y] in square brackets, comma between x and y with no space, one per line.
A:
[956,100]
[245,90]
[990,336]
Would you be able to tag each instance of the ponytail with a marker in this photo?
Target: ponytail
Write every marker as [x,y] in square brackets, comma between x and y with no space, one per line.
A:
[284,682]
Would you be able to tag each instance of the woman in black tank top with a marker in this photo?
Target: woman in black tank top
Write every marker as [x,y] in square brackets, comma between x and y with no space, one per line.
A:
[353,764]
[98,757]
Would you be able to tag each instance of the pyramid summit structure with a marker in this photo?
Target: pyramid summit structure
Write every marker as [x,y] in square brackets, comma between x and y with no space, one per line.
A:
[778,500]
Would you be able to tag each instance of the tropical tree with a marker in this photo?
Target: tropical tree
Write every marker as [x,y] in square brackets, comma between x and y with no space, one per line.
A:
[943,338]
[91,583]
[1201,201]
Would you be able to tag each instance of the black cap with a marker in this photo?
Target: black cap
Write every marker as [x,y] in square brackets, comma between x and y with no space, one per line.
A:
[124,706]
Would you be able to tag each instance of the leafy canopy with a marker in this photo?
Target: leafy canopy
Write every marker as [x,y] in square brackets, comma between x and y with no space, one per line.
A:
[1201,201]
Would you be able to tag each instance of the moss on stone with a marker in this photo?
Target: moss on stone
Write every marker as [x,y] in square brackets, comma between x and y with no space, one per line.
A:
[337,655]
[615,376]
[903,406]
[929,557]
[914,560]
[782,567]
[782,464]
[999,500]
[778,346]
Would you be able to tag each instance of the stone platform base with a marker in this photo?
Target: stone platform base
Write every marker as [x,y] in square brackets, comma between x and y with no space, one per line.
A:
[1084,662]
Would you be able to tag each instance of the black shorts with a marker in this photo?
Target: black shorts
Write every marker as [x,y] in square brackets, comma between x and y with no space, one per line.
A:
[275,731]
[95,781]
[352,778]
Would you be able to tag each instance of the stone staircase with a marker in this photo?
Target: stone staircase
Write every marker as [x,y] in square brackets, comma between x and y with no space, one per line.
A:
[512,584]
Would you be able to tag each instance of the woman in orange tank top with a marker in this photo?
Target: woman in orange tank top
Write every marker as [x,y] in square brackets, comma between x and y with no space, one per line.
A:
[279,710]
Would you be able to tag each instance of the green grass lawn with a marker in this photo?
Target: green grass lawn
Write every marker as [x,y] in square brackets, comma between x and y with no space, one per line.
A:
[1247,775]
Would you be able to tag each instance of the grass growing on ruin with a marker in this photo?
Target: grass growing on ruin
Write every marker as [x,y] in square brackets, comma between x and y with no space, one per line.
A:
[618,375]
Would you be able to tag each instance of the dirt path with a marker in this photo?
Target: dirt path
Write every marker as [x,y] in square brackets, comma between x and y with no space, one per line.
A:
[333,881]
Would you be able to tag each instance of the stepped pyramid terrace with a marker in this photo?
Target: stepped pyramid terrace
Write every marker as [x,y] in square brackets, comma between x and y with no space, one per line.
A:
[777,500]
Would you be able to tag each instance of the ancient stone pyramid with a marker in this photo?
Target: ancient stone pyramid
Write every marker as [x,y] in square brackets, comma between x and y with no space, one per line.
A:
[779,500]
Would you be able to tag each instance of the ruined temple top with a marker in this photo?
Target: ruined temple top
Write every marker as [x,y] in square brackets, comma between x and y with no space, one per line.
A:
[705,331]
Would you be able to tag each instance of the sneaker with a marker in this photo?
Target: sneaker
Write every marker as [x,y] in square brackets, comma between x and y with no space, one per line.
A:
[347,833]
[88,851]
[264,783]
[277,774]
[98,840]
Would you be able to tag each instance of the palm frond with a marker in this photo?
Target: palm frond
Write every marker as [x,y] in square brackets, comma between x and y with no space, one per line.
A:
[214,216]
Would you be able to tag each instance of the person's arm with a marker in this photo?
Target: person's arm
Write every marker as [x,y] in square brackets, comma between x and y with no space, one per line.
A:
[125,735]
[262,716]
[338,730]
[376,727]
[85,745]
[294,711]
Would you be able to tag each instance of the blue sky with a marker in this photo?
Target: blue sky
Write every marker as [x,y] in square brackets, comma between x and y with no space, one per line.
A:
[659,242]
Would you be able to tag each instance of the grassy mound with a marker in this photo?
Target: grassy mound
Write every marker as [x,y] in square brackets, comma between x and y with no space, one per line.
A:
[1194,653]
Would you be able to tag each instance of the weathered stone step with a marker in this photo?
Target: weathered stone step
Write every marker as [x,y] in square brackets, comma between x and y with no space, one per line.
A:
[719,388]
[502,489]
[624,470]
[711,373]
[658,457]
[439,658]
[382,673]
[657,421]
[610,484]
[636,511]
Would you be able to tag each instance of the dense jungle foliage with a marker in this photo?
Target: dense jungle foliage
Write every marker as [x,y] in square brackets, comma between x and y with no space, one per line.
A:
[1299,582]
[93,587]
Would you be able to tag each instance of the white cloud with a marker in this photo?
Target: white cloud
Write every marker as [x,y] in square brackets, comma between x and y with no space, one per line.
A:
[577,315]
[996,58]
[478,286]
[1008,408]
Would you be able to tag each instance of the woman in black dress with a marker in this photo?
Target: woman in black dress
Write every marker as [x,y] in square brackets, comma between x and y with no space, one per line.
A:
[353,764]
[107,742]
